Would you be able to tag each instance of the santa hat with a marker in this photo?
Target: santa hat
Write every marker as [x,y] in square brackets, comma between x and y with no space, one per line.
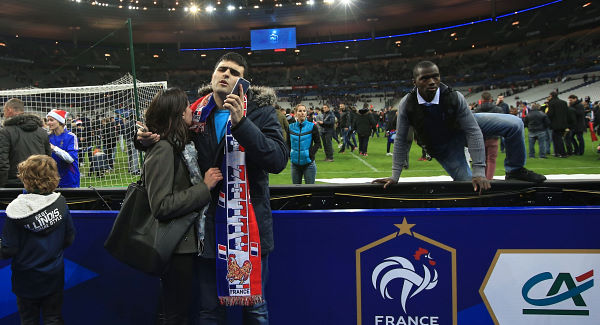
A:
[58,114]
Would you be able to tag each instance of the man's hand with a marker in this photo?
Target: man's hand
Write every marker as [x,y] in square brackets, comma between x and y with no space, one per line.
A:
[480,183]
[145,137]
[385,181]
[235,104]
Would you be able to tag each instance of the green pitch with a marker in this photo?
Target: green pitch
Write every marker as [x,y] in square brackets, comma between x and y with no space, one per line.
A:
[377,164]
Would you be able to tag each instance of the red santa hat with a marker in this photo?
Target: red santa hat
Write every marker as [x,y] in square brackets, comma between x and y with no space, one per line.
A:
[58,114]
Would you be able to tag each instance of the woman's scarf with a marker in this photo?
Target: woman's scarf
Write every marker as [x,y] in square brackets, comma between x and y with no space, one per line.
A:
[238,258]
[190,157]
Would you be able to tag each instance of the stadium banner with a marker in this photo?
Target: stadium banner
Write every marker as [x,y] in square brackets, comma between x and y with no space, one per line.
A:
[520,265]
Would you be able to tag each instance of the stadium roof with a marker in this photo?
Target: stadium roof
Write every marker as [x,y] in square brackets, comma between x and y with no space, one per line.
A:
[84,21]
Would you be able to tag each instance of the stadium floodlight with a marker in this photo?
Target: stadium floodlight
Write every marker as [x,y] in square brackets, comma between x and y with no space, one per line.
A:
[230,8]
[346,2]
[310,2]
[210,8]
[194,9]
[330,2]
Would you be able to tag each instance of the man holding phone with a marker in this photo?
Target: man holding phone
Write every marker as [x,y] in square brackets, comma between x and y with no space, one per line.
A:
[255,127]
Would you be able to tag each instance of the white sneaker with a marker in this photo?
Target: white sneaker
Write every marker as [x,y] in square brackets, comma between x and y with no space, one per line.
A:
[388,154]
[340,145]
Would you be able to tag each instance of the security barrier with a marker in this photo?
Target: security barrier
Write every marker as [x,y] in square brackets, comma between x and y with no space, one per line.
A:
[474,265]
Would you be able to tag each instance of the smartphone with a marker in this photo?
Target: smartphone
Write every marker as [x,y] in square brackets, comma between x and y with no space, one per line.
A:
[241,81]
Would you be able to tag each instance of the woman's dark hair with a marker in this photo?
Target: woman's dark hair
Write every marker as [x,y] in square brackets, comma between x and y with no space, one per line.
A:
[165,116]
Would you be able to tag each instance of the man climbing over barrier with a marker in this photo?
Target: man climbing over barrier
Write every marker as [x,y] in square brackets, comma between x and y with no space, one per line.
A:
[444,125]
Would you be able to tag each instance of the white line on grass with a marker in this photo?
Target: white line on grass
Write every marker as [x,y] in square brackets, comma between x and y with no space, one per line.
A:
[364,162]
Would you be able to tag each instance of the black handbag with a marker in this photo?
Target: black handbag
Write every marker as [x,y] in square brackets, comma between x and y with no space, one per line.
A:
[140,240]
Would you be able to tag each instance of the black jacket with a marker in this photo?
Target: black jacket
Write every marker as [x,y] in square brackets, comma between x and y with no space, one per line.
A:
[266,152]
[37,229]
[328,122]
[391,118]
[364,123]
[345,119]
[571,118]
[21,137]
[579,124]
[558,113]
[536,121]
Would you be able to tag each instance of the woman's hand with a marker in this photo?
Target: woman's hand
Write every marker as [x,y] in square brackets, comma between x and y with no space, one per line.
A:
[212,177]
[145,137]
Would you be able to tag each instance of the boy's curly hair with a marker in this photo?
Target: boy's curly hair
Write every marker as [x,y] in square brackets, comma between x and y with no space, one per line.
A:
[39,174]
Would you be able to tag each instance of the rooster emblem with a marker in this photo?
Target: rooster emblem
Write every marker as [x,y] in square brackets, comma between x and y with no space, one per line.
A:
[235,272]
[396,267]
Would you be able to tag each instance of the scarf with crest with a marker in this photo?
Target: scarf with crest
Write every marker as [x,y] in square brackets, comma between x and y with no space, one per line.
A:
[238,259]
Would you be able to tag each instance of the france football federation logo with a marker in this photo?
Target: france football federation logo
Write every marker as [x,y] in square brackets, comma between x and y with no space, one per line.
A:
[406,278]
[400,268]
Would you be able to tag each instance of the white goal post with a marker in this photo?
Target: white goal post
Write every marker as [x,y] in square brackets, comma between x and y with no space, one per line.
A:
[103,119]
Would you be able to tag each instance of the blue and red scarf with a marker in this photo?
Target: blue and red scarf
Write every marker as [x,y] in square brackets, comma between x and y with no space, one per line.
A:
[238,259]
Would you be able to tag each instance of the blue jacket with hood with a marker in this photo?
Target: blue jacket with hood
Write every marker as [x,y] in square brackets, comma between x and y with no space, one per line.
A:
[37,229]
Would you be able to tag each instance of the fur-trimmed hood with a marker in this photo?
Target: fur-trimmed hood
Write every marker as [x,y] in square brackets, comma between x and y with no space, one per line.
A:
[261,95]
[37,212]
[27,122]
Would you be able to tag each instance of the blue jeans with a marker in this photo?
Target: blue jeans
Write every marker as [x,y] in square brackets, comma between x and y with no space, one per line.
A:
[308,171]
[208,310]
[511,128]
[549,140]
[452,156]
[542,136]
[346,135]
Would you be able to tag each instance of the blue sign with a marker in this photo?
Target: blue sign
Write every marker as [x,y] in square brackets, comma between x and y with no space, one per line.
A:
[479,266]
[273,38]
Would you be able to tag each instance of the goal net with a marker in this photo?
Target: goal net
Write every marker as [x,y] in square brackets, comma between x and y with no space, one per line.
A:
[103,119]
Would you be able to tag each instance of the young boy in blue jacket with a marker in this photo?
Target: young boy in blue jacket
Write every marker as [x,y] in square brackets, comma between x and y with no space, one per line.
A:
[37,229]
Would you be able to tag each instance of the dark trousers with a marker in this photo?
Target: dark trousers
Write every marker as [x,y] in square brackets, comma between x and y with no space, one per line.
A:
[208,310]
[176,291]
[559,144]
[363,143]
[389,143]
[574,142]
[49,306]
[326,137]
[569,142]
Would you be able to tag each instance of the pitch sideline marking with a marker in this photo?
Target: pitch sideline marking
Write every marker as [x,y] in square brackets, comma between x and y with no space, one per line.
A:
[364,162]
